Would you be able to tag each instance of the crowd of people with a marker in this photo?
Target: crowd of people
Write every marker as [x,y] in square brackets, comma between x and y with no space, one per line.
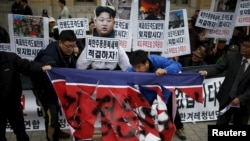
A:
[66,51]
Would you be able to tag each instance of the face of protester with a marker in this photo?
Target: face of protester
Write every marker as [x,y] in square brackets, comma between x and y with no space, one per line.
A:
[221,45]
[60,4]
[67,47]
[52,24]
[141,67]
[245,49]
[196,58]
[104,24]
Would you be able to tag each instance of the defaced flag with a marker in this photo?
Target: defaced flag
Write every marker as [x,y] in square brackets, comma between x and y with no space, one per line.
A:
[133,106]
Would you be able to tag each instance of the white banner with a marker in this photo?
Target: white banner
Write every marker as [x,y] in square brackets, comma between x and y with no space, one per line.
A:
[28,34]
[178,42]
[78,25]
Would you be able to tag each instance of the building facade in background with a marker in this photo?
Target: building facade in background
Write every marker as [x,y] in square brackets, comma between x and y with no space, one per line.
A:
[85,8]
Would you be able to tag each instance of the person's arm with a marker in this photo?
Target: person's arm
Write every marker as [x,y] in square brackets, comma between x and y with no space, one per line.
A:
[123,60]
[48,60]
[82,62]
[25,66]
[218,68]
[131,69]
[169,65]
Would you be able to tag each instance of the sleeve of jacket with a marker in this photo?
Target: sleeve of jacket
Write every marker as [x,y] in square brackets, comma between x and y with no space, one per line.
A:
[26,66]
[219,68]
[82,62]
[48,60]
[245,97]
[169,65]
[123,60]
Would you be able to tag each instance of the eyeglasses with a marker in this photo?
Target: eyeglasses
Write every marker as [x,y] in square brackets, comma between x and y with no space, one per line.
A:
[68,46]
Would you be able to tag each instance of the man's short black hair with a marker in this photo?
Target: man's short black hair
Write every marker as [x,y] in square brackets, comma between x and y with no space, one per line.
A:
[67,35]
[62,1]
[138,57]
[109,9]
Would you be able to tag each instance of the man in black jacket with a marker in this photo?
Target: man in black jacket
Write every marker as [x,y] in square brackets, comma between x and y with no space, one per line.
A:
[11,66]
[26,10]
[57,54]
[16,7]
[234,93]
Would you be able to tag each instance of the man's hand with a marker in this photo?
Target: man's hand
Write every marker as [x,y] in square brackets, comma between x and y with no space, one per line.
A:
[203,73]
[235,101]
[160,72]
[46,68]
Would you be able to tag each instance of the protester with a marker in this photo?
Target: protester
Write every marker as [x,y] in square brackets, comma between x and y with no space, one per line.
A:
[238,34]
[235,89]
[216,52]
[65,11]
[52,24]
[56,54]
[197,58]
[193,36]
[11,68]
[54,34]
[142,62]
[45,13]
[26,10]
[4,35]
[194,19]
[232,49]
[91,28]
[16,7]
[193,39]
[104,27]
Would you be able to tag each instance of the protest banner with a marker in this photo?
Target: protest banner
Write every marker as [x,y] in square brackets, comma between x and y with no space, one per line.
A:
[102,49]
[178,42]
[29,34]
[123,22]
[242,13]
[150,21]
[218,24]
[78,25]
[223,5]
[123,32]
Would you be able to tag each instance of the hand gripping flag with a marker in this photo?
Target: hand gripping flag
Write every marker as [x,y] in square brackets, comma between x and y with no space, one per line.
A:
[132,105]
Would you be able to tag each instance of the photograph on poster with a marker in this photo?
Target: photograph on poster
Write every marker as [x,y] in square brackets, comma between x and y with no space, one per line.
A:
[152,9]
[27,26]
